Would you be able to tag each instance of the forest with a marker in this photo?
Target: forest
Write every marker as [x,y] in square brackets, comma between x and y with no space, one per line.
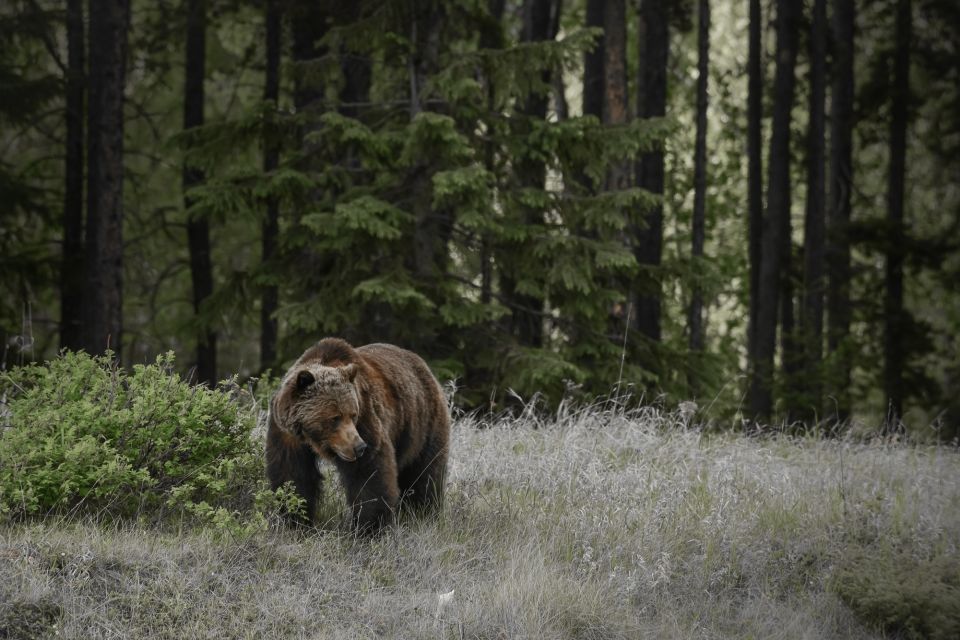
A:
[749,206]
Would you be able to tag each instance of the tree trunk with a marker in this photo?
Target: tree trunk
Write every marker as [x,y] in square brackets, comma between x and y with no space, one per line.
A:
[271,225]
[104,238]
[777,219]
[654,42]
[198,230]
[490,38]
[71,266]
[754,168]
[308,24]
[527,311]
[814,222]
[841,180]
[790,346]
[593,64]
[695,319]
[894,357]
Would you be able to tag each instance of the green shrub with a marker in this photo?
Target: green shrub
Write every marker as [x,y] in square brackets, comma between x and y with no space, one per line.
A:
[898,593]
[81,434]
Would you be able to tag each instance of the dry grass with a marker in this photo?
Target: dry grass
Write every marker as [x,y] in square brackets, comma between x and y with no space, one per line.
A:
[596,525]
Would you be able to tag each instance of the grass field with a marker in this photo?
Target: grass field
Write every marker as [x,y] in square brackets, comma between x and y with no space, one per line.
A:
[598,524]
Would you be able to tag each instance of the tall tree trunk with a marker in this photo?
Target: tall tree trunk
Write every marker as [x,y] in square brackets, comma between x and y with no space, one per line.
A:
[695,318]
[104,238]
[433,226]
[841,181]
[894,357]
[490,38]
[754,168]
[71,266]
[526,310]
[198,230]
[790,346]
[654,42]
[593,64]
[777,219]
[814,222]
[270,228]
[308,24]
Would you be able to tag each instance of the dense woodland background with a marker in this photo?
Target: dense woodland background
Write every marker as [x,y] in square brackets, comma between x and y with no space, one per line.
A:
[755,205]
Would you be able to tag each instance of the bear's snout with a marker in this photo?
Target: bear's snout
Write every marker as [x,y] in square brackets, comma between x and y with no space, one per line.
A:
[346,443]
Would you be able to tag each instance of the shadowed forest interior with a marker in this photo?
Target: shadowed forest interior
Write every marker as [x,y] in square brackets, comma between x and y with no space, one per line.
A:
[754,206]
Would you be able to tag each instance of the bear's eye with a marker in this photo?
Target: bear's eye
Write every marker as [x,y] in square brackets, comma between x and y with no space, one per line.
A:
[335,422]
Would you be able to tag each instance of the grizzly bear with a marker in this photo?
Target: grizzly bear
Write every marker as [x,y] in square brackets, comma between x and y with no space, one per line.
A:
[377,413]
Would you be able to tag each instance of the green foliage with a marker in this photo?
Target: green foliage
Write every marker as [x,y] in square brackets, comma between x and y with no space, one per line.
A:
[82,435]
[901,594]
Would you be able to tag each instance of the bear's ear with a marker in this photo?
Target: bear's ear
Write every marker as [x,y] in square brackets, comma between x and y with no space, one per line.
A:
[304,380]
[349,372]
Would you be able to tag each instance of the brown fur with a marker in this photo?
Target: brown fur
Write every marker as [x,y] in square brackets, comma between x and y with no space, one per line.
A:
[334,400]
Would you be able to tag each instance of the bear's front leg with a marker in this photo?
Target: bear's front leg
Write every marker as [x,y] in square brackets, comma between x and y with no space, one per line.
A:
[372,491]
[292,461]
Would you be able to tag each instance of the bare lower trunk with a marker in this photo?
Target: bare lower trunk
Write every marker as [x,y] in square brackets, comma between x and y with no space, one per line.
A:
[271,224]
[104,237]
[842,122]
[777,219]
[695,318]
[814,222]
[894,357]
[71,267]
[198,230]
[754,167]
[654,42]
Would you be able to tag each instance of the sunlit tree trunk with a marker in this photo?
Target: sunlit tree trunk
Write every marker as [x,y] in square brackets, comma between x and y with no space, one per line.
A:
[103,308]
[754,165]
[695,317]
[71,266]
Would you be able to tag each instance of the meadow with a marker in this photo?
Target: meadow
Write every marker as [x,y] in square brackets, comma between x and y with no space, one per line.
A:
[595,523]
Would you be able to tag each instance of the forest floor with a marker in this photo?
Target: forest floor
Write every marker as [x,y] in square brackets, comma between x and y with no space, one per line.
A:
[597,524]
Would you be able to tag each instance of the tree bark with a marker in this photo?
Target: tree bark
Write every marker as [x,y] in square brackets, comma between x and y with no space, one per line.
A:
[198,230]
[525,310]
[754,167]
[593,90]
[894,356]
[842,122]
[814,221]
[270,228]
[695,317]
[490,38]
[777,219]
[654,42]
[109,21]
[71,266]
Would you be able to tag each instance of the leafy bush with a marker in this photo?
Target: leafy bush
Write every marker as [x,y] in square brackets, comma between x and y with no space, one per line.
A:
[81,434]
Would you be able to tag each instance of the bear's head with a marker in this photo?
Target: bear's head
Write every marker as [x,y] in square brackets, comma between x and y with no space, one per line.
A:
[319,406]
